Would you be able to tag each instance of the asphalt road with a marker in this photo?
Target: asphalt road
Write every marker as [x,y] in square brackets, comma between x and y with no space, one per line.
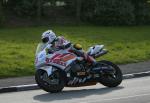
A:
[126,69]
[130,91]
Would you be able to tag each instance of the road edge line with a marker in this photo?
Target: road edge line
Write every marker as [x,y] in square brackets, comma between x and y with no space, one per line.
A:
[35,86]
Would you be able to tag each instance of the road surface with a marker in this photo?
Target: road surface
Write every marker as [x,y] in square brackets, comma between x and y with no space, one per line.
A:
[126,69]
[130,91]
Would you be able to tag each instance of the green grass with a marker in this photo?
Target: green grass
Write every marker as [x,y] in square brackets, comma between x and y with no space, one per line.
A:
[17,45]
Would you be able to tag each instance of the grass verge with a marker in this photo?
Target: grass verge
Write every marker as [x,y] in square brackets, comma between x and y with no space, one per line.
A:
[17,45]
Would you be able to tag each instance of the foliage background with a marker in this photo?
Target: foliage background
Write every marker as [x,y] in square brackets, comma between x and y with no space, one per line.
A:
[99,12]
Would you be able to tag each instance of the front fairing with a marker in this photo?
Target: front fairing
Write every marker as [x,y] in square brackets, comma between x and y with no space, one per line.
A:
[40,55]
[40,58]
[61,59]
[43,58]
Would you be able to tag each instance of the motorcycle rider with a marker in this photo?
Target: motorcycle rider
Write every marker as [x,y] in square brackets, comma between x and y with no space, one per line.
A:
[61,43]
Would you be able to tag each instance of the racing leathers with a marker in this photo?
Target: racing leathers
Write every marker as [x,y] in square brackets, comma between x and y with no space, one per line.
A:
[62,43]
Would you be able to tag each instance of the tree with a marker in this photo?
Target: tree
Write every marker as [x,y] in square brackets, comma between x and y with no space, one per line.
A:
[142,11]
[88,9]
[78,9]
[1,8]
[1,13]
[110,12]
[22,8]
[39,10]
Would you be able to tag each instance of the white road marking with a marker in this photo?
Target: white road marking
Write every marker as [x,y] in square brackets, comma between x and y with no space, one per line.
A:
[34,85]
[25,85]
[137,73]
[140,72]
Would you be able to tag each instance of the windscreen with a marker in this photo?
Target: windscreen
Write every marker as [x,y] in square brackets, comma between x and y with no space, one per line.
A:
[40,47]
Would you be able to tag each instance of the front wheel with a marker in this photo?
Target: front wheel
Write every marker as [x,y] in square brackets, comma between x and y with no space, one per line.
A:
[113,78]
[52,84]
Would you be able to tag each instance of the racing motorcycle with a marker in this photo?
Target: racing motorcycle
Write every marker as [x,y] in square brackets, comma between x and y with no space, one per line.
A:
[62,68]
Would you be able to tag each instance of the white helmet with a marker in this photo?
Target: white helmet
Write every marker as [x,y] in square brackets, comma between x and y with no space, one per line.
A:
[48,36]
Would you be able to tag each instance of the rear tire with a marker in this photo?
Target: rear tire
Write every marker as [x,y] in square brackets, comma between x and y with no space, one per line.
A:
[52,88]
[108,80]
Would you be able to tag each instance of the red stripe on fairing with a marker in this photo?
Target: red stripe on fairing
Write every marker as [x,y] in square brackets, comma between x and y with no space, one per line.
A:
[58,56]
[61,55]
[55,56]
[71,51]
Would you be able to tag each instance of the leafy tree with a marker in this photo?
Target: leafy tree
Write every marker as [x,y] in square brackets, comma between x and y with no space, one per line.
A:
[22,7]
[78,9]
[142,11]
[1,13]
[110,12]
[88,9]
[103,12]
[39,10]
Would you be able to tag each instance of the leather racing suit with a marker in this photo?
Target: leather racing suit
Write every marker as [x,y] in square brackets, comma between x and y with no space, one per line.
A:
[62,43]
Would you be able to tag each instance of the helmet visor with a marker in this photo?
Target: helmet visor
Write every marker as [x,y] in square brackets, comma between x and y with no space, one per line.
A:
[45,40]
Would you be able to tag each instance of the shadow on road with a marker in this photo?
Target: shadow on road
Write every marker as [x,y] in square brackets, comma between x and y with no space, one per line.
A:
[72,94]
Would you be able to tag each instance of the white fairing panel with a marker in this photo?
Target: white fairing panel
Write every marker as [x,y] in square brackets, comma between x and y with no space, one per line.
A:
[40,58]
[48,69]
[41,54]
[95,49]
[60,64]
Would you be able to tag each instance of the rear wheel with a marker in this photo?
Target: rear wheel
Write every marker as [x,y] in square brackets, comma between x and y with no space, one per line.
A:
[113,78]
[52,84]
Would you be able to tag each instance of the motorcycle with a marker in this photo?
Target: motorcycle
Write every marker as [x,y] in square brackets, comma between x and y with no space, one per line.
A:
[62,68]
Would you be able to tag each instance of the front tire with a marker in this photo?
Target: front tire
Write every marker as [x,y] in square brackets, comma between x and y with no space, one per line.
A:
[46,86]
[113,79]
